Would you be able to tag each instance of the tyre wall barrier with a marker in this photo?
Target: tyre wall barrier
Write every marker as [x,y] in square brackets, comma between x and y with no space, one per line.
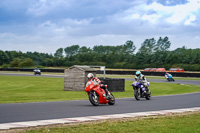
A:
[175,74]
[114,85]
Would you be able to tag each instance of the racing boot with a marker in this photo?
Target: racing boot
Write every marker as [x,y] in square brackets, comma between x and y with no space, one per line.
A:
[147,90]
[107,94]
[106,90]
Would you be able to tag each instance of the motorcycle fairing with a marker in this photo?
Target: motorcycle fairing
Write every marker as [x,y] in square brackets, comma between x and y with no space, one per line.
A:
[102,94]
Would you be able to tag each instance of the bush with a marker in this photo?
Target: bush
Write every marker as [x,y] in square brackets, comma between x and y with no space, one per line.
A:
[15,62]
[5,66]
[26,63]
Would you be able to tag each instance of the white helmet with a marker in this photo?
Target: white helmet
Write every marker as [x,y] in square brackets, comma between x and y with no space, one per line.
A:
[90,76]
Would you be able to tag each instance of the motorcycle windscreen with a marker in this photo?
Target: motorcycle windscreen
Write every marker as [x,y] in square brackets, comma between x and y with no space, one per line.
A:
[89,86]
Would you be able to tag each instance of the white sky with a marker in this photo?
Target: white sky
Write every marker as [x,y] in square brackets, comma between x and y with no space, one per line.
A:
[46,25]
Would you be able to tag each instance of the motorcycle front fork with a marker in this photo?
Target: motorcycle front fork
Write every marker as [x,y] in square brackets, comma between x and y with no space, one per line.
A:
[95,95]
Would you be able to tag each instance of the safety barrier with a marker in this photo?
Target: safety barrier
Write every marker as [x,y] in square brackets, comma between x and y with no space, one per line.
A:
[175,74]
[114,85]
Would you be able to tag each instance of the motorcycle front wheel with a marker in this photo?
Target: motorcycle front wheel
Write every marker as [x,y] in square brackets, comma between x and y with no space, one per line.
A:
[94,98]
[111,99]
[137,94]
[148,96]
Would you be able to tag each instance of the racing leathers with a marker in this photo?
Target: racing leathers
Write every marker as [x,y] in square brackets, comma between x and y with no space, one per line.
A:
[142,79]
[167,75]
[96,81]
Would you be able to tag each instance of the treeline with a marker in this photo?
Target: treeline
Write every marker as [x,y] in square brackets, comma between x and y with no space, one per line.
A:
[152,53]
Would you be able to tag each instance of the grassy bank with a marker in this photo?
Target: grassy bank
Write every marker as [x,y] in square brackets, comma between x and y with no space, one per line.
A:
[175,123]
[18,89]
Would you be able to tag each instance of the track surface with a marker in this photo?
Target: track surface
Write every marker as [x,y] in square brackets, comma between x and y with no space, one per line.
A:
[192,82]
[19,112]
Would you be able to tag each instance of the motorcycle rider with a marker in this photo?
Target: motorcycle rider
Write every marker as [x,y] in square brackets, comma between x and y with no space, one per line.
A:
[167,75]
[140,77]
[37,71]
[96,81]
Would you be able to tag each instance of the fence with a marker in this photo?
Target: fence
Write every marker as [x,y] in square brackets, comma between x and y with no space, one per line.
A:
[175,74]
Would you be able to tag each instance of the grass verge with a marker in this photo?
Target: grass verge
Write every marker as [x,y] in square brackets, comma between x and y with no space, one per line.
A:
[174,123]
[19,89]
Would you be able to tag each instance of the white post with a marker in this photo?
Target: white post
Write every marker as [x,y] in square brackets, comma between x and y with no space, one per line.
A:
[102,68]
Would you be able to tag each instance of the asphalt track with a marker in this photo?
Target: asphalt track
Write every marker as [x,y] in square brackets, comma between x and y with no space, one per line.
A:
[19,112]
[192,82]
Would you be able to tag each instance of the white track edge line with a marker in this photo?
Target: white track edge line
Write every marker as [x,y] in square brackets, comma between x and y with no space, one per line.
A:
[14,125]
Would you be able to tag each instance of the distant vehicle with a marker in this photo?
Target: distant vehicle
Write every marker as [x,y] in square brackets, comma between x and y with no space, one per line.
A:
[37,71]
[147,69]
[176,70]
[160,70]
[153,69]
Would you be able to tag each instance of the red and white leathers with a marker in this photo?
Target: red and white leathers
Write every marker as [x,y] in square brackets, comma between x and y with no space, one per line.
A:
[95,81]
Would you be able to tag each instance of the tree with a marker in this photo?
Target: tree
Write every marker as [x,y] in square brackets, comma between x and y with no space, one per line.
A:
[129,48]
[84,49]
[72,50]
[3,57]
[146,51]
[102,49]
[26,63]
[163,44]
[15,62]
[14,54]
[48,62]
[59,53]
[148,46]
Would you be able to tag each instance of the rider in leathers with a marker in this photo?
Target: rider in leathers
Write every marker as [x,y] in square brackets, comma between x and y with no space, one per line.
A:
[96,81]
[140,77]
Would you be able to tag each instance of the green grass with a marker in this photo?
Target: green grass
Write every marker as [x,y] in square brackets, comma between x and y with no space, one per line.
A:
[15,89]
[165,124]
[158,89]
[19,89]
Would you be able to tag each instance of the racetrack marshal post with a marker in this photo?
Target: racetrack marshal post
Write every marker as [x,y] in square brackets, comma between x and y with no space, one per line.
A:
[75,77]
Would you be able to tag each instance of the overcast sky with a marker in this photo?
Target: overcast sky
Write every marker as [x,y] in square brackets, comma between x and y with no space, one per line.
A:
[46,25]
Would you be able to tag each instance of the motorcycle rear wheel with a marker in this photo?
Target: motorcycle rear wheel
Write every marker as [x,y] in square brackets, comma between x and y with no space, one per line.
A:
[111,99]
[94,100]
[137,94]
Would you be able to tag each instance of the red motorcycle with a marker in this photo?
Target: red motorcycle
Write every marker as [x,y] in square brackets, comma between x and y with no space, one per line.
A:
[97,95]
